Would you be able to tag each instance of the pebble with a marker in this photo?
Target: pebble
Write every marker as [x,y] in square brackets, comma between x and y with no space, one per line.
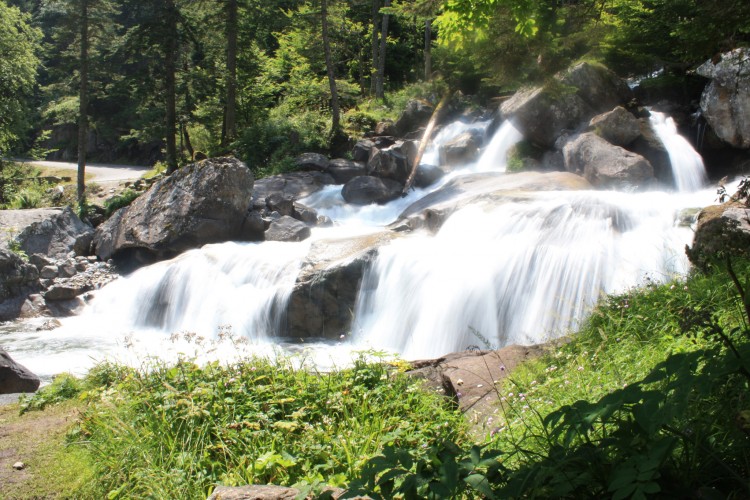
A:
[19,465]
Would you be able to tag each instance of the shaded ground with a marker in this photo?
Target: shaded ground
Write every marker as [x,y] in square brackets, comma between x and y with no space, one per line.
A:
[36,439]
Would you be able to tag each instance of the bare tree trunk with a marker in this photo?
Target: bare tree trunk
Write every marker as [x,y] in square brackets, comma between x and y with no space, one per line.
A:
[380,84]
[335,110]
[230,120]
[170,56]
[375,32]
[428,50]
[426,136]
[83,101]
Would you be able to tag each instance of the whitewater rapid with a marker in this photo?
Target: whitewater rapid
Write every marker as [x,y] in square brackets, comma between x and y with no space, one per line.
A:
[523,271]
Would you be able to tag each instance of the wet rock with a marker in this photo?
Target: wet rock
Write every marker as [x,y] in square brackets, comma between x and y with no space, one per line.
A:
[618,127]
[343,171]
[15,377]
[287,228]
[648,145]
[393,162]
[305,214]
[205,202]
[368,189]
[597,86]
[326,289]
[427,175]
[385,128]
[40,261]
[726,100]
[276,202]
[605,165]
[461,150]
[49,325]
[66,291]
[721,229]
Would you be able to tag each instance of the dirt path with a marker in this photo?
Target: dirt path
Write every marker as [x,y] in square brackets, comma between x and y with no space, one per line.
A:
[101,172]
[38,440]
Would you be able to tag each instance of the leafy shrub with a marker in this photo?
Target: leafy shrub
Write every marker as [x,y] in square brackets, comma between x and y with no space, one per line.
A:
[64,387]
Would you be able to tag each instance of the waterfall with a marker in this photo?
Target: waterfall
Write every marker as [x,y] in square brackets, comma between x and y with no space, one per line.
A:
[494,158]
[521,273]
[687,165]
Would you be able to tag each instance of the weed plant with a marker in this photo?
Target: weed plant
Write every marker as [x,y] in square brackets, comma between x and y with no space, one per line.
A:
[177,431]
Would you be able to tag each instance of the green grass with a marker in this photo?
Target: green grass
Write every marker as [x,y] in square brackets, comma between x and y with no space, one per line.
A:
[177,431]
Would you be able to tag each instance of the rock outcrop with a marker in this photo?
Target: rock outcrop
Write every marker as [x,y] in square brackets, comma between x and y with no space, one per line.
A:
[15,377]
[324,295]
[542,114]
[367,189]
[50,231]
[205,202]
[726,100]
[618,127]
[605,165]
[721,230]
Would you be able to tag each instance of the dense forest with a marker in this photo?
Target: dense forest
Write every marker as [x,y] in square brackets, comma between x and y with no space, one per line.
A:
[171,80]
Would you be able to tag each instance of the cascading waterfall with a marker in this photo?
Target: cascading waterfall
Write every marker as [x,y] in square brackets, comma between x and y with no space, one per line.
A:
[519,272]
[687,165]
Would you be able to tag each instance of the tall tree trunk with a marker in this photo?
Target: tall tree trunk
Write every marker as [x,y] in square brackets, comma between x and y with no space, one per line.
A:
[83,101]
[375,31]
[170,62]
[428,50]
[230,110]
[335,111]
[380,84]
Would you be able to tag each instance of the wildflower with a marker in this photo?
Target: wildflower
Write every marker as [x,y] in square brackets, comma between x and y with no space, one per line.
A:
[685,288]
[671,287]
[534,382]
[458,394]
[510,394]
[580,368]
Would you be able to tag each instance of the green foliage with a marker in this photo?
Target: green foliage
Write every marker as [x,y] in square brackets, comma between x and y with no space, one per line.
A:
[19,46]
[649,398]
[125,198]
[63,388]
[179,430]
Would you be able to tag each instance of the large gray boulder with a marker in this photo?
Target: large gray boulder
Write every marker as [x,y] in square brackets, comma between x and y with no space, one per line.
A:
[572,98]
[287,228]
[206,202]
[605,165]
[367,189]
[618,127]
[648,145]
[726,100]
[54,232]
[721,230]
[15,377]
[326,289]
[461,150]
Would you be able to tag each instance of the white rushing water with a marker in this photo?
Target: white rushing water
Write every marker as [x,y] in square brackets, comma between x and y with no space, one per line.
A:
[519,272]
[687,165]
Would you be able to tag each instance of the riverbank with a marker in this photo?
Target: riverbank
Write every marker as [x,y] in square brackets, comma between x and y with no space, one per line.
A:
[648,397]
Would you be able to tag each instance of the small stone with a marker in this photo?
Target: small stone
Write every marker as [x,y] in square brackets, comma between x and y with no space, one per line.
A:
[19,465]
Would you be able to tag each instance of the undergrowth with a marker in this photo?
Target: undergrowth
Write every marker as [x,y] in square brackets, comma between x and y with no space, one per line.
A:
[177,431]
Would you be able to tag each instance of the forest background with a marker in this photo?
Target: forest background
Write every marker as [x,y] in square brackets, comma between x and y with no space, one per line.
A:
[142,81]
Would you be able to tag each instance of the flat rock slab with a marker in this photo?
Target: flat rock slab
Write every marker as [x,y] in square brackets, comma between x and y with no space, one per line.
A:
[472,378]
